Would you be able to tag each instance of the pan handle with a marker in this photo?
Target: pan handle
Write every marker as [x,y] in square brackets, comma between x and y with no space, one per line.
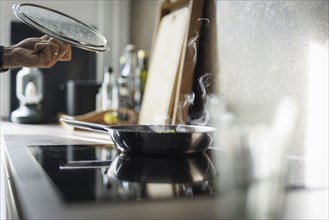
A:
[85,125]
[85,164]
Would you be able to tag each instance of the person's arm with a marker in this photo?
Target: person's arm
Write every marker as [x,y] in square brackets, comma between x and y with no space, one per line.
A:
[2,69]
[41,52]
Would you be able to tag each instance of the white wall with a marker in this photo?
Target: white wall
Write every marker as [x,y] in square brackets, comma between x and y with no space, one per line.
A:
[110,17]
[144,15]
[271,49]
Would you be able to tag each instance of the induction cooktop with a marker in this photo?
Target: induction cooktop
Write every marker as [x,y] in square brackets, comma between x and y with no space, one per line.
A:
[83,173]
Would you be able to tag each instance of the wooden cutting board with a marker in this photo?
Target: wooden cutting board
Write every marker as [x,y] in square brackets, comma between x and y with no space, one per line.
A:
[158,100]
[186,72]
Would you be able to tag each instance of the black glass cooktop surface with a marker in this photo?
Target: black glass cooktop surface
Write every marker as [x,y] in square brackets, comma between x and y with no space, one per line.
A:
[100,173]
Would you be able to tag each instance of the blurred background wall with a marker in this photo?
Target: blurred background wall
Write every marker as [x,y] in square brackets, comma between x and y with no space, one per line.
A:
[267,50]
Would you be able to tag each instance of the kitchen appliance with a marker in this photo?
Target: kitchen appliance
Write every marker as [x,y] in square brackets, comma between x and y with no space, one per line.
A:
[29,91]
[153,138]
[126,178]
[81,96]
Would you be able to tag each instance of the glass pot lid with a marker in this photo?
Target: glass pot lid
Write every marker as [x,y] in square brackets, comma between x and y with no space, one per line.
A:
[61,26]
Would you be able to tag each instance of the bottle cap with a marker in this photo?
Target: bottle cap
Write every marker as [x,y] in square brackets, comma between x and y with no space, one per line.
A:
[108,69]
[141,54]
[130,47]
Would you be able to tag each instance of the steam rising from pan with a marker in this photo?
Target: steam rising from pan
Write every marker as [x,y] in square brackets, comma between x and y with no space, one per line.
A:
[202,116]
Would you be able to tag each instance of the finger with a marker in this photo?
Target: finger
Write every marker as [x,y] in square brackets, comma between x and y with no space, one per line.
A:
[52,44]
[44,37]
[54,48]
[28,43]
[68,54]
[64,50]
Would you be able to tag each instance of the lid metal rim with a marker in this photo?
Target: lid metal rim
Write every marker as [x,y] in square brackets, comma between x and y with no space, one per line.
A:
[76,43]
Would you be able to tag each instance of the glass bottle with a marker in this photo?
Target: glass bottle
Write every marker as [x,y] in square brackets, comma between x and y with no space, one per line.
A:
[126,81]
[109,90]
[143,60]
[140,78]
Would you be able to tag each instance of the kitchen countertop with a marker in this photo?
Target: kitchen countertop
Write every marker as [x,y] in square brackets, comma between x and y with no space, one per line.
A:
[37,198]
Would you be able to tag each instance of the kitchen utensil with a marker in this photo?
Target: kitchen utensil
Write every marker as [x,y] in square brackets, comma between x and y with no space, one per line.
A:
[172,62]
[85,164]
[61,26]
[160,88]
[153,138]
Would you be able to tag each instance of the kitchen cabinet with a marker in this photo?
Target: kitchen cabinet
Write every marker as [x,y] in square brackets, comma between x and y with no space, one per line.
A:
[31,193]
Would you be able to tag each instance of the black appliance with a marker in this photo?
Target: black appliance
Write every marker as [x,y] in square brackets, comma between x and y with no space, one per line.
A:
[81,96]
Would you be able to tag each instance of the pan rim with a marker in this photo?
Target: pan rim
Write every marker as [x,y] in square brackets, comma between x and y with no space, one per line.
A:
[198,128]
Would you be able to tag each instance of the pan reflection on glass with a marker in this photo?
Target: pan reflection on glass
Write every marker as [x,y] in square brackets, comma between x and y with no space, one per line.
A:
[161,177]
[106,175]
[162,169]
[153,176]
[85,164]
[152,168]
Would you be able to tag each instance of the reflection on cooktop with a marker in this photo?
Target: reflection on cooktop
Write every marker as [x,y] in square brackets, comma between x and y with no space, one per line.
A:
[100,173]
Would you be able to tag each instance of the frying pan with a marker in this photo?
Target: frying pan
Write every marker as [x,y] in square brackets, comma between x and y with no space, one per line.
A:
[153,138]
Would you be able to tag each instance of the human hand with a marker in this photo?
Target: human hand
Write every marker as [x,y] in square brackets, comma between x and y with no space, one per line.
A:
[43,52]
